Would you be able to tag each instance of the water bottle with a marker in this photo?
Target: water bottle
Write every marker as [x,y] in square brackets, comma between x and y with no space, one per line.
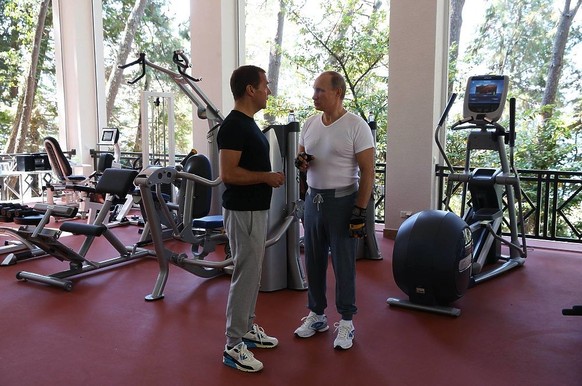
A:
[291,117]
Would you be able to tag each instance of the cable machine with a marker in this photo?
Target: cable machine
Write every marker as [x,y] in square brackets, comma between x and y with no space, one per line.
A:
[157,130]
[282,267]
[205,108]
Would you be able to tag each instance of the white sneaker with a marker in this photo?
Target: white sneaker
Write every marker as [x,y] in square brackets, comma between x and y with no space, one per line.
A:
[257,337]
[240,358]
[312,323]
[345,334]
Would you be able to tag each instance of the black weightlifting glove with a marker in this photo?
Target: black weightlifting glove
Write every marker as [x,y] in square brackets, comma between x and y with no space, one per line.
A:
[302,157]
[358,223]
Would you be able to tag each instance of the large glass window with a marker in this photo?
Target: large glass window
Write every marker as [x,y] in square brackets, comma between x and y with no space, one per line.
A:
[156,28]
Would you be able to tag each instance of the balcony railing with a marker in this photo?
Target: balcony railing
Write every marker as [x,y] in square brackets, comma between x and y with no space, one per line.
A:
[552,200]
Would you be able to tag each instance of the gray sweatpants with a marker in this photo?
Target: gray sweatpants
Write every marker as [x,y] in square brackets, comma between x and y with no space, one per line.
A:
[247,233]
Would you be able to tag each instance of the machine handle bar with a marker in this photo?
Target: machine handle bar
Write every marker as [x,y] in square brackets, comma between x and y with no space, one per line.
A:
[179,59]
[447,109]
[142,61]
[182,62]
[197,178]
[438,129]
[154,175]
[512,122]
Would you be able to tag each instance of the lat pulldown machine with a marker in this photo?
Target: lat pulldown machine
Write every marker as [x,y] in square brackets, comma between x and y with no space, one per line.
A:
[205,108]
[282,264]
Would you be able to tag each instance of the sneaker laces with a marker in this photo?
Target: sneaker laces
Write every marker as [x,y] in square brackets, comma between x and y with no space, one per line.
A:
[343,330]
[244,353]
[259,332]
[310,319]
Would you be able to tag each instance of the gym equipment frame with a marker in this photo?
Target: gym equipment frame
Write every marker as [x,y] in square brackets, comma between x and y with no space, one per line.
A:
[114,183]
[437,255]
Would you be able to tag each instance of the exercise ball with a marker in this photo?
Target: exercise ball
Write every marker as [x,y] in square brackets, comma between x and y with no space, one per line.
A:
[432,257]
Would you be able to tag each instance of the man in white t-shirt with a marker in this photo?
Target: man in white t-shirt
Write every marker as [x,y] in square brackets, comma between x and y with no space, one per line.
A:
[336,150]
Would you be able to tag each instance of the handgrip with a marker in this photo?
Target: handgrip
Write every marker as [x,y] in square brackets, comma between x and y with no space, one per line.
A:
[447,108]
[511,122]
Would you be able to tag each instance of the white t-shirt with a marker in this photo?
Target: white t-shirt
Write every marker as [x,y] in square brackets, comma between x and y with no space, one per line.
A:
[334,148]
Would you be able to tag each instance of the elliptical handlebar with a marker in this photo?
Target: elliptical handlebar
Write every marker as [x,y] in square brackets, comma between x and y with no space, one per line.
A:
[485,123]
[473,123]
[511,122]
[447,109]
[438,129]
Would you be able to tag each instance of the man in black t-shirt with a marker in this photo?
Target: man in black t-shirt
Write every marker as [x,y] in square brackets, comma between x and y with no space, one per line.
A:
[245,170]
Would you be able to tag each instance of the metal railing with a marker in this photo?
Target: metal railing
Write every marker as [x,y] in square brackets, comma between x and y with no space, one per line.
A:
[551,200]
[133,160]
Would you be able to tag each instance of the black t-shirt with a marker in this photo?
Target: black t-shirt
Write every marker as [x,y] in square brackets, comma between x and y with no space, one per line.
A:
[240,132]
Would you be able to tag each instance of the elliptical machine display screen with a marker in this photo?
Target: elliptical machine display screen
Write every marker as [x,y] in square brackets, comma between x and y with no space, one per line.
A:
[109,136]
[485,97]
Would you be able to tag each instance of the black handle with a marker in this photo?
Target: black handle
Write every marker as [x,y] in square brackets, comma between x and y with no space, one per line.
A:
[447,108]
[182,62]
[140,60]
[511,122]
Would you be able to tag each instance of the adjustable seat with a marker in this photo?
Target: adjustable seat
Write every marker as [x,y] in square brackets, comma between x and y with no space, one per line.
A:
[208,229]
[80,185]
[60,165]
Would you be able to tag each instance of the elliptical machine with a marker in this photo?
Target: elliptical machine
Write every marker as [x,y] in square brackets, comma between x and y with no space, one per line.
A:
[437,255]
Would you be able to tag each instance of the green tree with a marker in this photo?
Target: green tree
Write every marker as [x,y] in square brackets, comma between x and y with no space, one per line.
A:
[351,37]
[21,126]
[275,58]
[524,39]
[156,37]
[115,74]
[16,25]
[456,23]
[550,124]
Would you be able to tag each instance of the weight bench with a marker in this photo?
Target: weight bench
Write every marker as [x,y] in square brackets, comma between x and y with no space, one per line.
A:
[113,183]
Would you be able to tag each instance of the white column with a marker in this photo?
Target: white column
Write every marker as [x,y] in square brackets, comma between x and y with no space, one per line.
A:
[79,65]
[416,97]
[217,48]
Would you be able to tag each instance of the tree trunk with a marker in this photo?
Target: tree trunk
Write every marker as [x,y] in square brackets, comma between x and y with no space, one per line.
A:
[21,123]
[14,45]
[456,22]
[10,146]
[275,55]
[33,141]
[544,134]
[115,76]
[558,49]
